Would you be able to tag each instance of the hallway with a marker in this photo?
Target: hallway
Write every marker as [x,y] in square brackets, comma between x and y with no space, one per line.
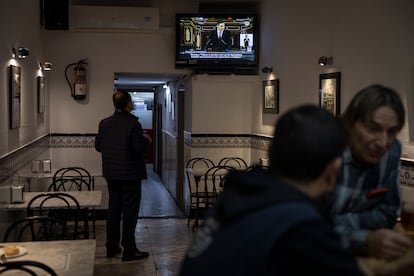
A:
[161,230]
[156,201]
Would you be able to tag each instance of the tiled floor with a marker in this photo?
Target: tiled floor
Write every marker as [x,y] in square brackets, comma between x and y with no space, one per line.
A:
[161,230]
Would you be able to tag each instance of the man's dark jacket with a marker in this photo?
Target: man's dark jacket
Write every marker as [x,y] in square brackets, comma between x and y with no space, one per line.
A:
[122,144]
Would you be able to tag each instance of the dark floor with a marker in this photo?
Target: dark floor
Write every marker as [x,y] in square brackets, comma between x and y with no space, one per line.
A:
[161,230]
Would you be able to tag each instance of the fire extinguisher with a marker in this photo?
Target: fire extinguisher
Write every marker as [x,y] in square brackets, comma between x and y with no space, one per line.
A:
[78,84]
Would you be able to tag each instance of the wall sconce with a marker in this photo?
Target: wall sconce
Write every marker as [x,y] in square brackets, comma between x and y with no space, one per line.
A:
[46,66]
[20,52]
[267,70]
[324,60]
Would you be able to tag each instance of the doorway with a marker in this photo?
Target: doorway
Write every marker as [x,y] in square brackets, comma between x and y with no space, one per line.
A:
[151,93]
[143,108]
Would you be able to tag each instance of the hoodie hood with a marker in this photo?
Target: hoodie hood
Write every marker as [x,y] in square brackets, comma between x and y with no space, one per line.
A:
[247,191]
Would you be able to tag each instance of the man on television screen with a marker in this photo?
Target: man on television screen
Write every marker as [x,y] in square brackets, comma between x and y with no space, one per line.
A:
[219,39]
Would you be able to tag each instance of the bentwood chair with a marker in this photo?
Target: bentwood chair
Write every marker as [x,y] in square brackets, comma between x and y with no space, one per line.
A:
[68,210]
[73,176]
[195,170]
[27,268]
[37,228]
[235,162]
[210,188]
[77,179]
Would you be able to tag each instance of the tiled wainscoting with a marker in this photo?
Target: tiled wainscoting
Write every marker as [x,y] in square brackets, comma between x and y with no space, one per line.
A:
[407,172]
[75,150]
[11,166]
[169,162]
[407,178]
[20,159]
[61,150]
[78,150]
[252,148]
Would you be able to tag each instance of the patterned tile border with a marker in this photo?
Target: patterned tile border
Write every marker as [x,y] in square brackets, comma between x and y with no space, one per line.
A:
[12,162]
[227,141]
[407,173]
[261,142]
[72,140]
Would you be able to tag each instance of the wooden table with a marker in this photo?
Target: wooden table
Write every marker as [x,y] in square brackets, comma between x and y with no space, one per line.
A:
[87,199]
[69,257]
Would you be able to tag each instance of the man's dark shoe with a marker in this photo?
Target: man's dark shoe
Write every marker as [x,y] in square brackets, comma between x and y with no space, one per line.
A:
[110,253]
[135,256]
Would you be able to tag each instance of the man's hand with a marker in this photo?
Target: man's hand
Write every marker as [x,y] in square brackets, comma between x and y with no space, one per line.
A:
[387,244]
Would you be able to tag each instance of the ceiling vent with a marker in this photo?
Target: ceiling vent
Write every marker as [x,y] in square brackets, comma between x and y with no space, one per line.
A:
[110,18]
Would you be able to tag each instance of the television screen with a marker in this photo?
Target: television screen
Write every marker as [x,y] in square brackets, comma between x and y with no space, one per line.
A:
[219,42]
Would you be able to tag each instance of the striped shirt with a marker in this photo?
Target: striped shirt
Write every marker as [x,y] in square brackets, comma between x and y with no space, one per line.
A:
[354,215]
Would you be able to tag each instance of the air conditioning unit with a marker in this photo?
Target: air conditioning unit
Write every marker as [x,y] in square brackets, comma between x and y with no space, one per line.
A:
[105,18]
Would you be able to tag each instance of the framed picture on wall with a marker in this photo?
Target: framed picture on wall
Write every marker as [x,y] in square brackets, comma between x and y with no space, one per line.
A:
[14,96]
[271,96]
[40,94]
[329,92]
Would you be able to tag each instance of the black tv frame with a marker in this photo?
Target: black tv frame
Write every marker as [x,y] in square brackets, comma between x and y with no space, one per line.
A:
[217,65]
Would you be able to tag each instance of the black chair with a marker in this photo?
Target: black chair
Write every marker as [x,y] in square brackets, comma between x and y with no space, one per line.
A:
[77,179]
[214,181]
[195,170]
[87,215]
[37,228]
[68,209]
[78,175]
[69,184]
[30,267]
[210,188]
[235,162]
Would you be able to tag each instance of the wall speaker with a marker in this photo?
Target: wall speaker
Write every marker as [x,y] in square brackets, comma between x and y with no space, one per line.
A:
[55,14]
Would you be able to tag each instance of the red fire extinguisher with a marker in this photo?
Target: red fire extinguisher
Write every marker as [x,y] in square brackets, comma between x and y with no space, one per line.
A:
[78,84]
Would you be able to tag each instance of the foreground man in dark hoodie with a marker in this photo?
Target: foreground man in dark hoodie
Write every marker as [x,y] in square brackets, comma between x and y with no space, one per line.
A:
[273,222]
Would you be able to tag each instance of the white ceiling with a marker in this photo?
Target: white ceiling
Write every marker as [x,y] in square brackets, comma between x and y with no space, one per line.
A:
[143,81]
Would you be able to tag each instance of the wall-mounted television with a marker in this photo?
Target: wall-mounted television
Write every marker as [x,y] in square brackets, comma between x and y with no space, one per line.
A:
[217,43]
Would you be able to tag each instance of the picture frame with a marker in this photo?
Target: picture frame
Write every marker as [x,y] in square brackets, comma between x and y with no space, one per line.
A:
[40,94]
[271,96]
[330,92]
[14,96]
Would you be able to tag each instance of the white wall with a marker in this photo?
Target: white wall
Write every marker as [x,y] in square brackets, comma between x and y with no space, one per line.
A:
[20,27]
[106,53]
[371,41]
[223,104]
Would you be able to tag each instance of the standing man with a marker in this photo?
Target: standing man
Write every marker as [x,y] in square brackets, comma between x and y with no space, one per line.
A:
[122,144]
[270,222]
[367,198]
[220,38]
